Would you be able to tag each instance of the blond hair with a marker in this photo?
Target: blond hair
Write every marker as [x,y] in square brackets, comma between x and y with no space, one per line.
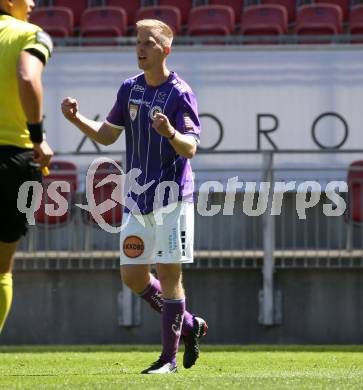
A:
[162,31]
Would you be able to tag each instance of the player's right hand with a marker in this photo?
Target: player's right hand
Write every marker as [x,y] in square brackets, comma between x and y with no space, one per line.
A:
[70,108]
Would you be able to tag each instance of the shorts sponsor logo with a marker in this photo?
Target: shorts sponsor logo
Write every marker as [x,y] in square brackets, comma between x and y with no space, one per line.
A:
[155,110]
[133,111]
[133,246]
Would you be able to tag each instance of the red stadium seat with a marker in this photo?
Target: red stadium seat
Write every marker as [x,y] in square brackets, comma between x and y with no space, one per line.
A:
[103,22]
[263,20]
[319,19]
[236,5]
[355,191]
[166,13]
[130,7]
[184,6]
[77,8]
[290,5]
[59,171]
[355,25]
[211,20]
[343,4]
[106,192]
[354,214]
[56,21]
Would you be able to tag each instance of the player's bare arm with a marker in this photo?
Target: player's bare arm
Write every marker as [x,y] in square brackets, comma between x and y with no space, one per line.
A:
[29,74]
[100,132]
[184,145]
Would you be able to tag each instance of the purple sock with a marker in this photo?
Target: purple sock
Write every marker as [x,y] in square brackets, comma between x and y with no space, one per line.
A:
[152,294]
[172,319]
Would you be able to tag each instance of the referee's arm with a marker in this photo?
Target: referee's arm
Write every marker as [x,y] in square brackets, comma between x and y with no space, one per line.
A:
[29,75]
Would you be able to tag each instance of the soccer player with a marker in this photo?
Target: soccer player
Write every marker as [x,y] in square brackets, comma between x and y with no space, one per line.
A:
[24,50]
[158,111]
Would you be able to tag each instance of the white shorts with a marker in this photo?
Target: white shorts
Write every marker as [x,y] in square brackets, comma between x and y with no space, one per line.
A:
[166,237]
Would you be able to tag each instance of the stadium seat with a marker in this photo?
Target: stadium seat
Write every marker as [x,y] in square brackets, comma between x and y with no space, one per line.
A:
[59,171]
[103,22]
[355,24]
[211,20]
[56,21]
[290,6]
[354,213]
[319,19]
[236,5]
[166,13]
[343,4]
[264,20]
[130,7]
[184,6]
[77,8]
[43,3]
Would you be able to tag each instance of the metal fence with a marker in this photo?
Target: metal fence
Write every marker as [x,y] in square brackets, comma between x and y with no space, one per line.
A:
[234,235]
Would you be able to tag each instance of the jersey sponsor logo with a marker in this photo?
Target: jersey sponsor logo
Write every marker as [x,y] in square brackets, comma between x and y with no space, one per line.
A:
[43,38]
[155,110]
[138,88]
[133,246]
[140,102]
[188,123]
[133,108]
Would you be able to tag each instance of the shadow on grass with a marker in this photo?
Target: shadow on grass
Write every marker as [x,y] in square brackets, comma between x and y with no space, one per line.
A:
[156,348]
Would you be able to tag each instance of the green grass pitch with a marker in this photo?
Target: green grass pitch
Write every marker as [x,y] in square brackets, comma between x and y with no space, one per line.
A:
[219,367]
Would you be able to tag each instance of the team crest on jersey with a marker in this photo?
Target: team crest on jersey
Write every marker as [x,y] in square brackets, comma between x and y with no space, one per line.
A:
[155,110]
[133,108]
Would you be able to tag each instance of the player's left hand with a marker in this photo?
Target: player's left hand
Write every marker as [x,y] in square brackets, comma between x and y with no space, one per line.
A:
[162,125]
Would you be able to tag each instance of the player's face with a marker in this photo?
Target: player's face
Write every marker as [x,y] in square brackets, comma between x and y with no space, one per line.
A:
[21,9]
[150,53]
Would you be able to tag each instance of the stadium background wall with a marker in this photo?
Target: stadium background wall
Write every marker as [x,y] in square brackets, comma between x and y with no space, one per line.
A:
[319,306]
[247,91]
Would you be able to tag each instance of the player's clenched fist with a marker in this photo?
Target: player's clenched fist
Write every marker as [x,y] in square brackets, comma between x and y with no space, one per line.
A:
[70,108]
[162,125]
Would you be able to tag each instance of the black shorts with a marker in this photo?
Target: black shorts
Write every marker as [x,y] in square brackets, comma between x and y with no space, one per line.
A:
[16,167]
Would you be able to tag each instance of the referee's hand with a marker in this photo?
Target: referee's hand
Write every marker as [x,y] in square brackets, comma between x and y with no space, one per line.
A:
[70,108]
[42,154]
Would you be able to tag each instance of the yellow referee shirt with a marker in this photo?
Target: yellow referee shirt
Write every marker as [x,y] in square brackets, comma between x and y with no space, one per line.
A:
[16,36]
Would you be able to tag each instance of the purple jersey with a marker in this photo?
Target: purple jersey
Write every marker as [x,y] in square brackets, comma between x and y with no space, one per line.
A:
[134,109]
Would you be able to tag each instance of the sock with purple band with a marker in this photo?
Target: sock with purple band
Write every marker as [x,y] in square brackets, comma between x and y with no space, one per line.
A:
[172,319]
[152,294]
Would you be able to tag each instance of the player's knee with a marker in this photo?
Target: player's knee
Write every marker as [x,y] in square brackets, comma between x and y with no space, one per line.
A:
[170,281]
[170,276]
[133,281]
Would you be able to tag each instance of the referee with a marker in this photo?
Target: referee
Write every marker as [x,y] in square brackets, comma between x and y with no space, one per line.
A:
[24,50]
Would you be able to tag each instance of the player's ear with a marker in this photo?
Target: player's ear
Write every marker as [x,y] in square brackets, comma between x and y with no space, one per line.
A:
[167,50]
